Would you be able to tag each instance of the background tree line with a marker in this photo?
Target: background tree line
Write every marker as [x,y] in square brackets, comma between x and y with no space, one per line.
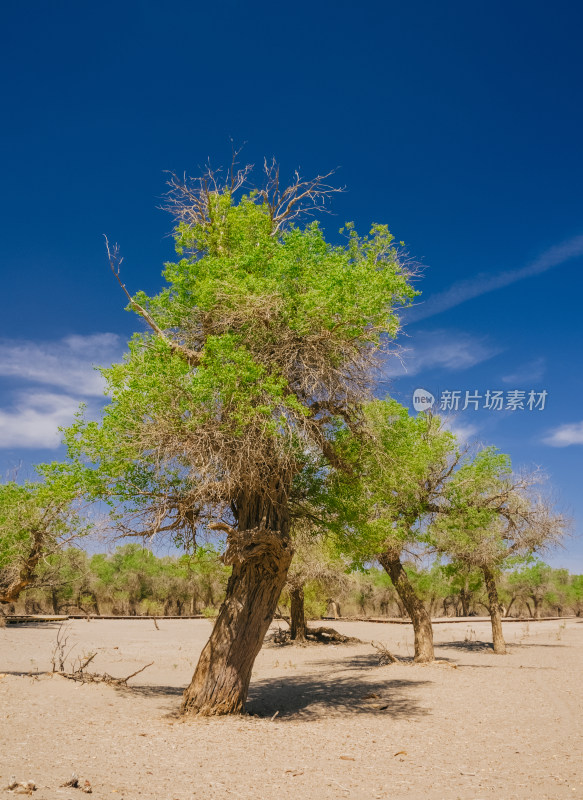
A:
[133,581]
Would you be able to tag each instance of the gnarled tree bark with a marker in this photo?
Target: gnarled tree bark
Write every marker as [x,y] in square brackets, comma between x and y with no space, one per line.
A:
[415,609]
[260,552]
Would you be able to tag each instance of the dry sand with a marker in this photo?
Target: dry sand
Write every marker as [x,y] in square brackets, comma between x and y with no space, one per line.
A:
[493,727]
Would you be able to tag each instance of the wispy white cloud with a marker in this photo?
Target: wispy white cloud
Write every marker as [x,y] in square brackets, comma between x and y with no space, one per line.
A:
[66,364]
[465,432]
[35,419]
[439,349]
[484,282]
[47,381]
[527,373]
[565,435]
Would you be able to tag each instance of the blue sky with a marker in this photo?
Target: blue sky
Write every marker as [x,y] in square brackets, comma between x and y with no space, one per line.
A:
[458,124]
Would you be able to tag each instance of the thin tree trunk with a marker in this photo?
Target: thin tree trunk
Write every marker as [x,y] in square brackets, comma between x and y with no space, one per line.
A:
[95,603]
[413,605]
[495,613]
[333,609]
[465,600]
[260,553]
[297,615]
[401,609]
[537,607]
[509,607]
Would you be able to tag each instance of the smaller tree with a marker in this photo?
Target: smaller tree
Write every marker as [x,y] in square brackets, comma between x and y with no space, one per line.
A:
[65,577]
[493,519]
[401,467]
[537,584]
[37,519]
[576,594]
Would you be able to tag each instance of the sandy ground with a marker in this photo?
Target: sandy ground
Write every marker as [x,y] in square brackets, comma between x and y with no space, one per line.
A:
[493,727]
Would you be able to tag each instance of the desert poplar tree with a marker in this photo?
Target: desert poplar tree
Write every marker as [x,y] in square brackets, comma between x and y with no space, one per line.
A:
[263,341]
[37,520]
[494,519]
[381,510]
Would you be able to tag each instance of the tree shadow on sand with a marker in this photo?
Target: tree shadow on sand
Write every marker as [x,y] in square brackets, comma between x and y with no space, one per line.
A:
[488,647]
[45,626]
[360,661]
[326,693]
[318,697]
[471,647]
[154,691]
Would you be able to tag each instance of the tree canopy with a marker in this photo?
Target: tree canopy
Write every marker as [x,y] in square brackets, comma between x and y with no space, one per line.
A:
[263,336]
[36,520]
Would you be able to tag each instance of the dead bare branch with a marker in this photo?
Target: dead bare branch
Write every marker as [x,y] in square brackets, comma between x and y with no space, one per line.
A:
[115,262]
[80,676]
[301,198]
[385,655]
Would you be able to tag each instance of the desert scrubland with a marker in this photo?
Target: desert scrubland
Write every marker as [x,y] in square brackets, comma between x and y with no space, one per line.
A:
[323,721]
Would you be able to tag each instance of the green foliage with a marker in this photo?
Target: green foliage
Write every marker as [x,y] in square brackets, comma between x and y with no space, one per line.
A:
[255,325]
[490,518]
[35,519]
[398,472]
[133,580]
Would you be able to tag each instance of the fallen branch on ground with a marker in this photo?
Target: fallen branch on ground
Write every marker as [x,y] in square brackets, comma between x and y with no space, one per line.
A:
[74,784]
[329,636]
[385,655]
[94,677]
[314,635]
[24,787]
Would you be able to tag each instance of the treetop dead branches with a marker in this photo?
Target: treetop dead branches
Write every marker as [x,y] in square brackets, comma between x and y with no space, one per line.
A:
[190,200]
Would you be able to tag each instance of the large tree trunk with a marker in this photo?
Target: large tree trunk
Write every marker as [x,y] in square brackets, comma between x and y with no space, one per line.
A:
[260,553]
[495,613]
[297,615]
[413,605]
